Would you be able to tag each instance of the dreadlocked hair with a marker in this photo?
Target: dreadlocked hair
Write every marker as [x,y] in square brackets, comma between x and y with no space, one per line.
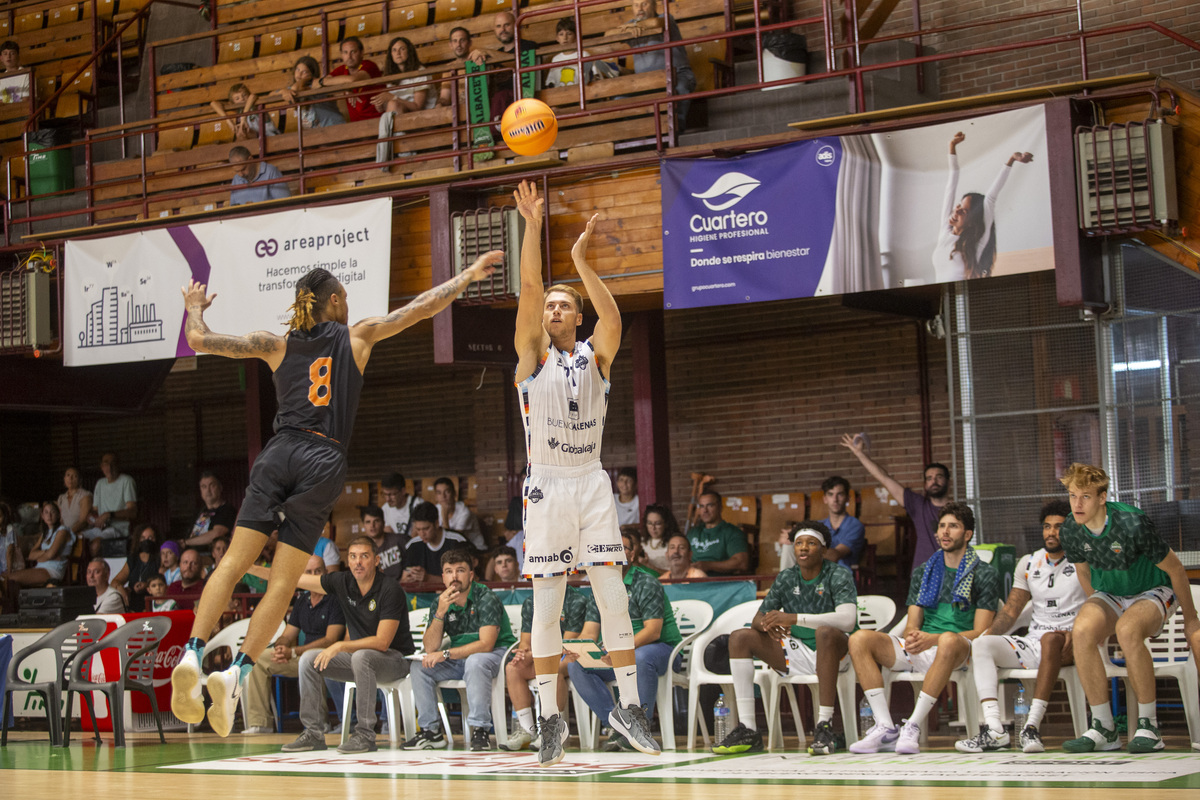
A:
[312,293]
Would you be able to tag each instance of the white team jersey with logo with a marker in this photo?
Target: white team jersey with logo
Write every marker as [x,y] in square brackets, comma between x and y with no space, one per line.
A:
[563,405]
[1055,591]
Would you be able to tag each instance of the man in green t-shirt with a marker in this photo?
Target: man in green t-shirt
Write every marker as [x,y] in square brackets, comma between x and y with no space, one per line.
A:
[477,624]
[801,628]
[952,599]
[717,546]
[1133,581]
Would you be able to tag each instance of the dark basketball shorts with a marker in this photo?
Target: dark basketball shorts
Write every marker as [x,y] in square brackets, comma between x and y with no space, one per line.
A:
[294,483]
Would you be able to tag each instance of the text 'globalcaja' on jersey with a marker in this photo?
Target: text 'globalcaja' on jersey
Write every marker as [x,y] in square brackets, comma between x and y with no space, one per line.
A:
[563,404]
[318,383]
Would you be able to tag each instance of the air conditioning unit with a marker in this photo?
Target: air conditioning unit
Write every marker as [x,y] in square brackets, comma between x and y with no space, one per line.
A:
[476,232]
[1127,177]
[25,310]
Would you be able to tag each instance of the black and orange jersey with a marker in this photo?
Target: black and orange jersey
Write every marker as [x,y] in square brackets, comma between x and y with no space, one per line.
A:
[318,383]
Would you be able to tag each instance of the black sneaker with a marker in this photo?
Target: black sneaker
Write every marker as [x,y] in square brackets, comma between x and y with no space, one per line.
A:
[480,741]
[617,744]
[740,740]
[426,739]
[824,740]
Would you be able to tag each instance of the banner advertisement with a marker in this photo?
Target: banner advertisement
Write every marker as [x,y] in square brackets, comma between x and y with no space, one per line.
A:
[954,201]
[122,299]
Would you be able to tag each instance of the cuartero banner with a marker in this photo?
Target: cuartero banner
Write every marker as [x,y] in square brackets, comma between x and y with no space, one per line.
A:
[954,201]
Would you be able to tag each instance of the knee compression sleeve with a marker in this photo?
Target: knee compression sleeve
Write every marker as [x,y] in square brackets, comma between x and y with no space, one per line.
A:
[613,603]
[545,636]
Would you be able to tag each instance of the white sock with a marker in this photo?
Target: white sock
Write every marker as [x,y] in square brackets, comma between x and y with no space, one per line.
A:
[925,704]
[991,715]
[627,686]
[824,714]
[525,718]
[1149,711]
[1103,714]
[1037,710]
[879,707]
[742,670]
[547,686]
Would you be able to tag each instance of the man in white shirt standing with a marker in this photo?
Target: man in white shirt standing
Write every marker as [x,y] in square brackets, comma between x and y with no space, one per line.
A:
[397,504]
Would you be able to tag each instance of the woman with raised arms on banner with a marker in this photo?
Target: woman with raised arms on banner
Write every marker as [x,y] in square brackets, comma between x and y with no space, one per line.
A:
[966,245]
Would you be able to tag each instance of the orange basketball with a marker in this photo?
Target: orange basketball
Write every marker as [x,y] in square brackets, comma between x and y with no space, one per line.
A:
[529,127]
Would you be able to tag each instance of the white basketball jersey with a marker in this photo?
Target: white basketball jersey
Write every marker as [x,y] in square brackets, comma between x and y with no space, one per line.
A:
[563,405]
[1055,590]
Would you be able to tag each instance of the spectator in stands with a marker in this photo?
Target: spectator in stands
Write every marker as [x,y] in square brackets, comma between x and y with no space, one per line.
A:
[474,618]
[191,577]
[355,69]
[460,46]
[646,28]
[108,599]
[327,548]
[75,504]
[242,104]
[115,504]
[849,537]
[567,75]
[389,546]
[679,557]
[454,516]
[143,563]
[407,94]
[220,546]
[305,73]
[168,561]
[10,56]
[500,84]
[47,561]
[373,652]
[216,518]
[626,496]
[655,633]
[658,525]
[519,670]
[423,554]
[398,504]
[923,509]
[156,587]
[316,622]
[503,566]
[717,545]
[246,172]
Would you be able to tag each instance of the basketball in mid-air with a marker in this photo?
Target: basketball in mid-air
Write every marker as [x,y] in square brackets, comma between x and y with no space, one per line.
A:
[529,127]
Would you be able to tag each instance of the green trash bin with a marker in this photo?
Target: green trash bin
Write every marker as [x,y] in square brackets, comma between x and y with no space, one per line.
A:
[1004,559]
[52,171]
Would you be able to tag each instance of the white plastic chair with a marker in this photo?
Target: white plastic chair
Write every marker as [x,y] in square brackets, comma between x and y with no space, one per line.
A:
[968,702]
[401,689]
[874,611]
[697,675]
[232,636]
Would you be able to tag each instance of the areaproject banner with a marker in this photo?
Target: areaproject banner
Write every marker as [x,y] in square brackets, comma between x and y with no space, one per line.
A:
[122,299]
[955,201]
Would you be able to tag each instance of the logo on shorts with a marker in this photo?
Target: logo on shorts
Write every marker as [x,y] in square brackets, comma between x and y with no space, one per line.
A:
[606,548]
[565,557]
[536,495]
[581,362]
[371,605]
[1115,547]
[553,443]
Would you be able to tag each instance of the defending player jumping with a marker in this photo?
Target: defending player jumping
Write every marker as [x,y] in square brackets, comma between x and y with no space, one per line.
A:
[570,516]
[318,373]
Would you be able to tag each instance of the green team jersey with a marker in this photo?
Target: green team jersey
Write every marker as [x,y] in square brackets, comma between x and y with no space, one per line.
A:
[647,600]
[718,543]
[483,608]
[791,594]
[1122,558]
[574,611]
[985,594]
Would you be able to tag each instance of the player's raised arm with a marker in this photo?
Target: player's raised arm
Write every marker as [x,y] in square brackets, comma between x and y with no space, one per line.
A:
[259,344]
[531,338]
[606,339]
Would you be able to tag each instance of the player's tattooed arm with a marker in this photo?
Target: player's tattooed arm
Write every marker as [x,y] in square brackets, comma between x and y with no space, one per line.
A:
[1007,616]
[202,339]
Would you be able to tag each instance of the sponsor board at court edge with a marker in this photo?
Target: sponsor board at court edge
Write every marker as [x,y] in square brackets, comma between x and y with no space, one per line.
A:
[122,299]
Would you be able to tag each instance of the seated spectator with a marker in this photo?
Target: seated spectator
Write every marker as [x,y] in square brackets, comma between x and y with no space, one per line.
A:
[355,69]
[246,173]
[406,94]
[168,560]
[474,619]
[242,103]
[191,577]
[377,641]
[389,546]
[327,550]
[142,564]
[156,588]
[679,557]
[114,505]
[75,504]
[454,516]
[460,47]
[849,536]
[216,517]
[397,504]
[567,75]
[316,622]
[500,84]
[220,546]
[658,526]
[10,56]
[305,73]
[503,566]
[655,633]
[717,546]
[47,561]
[423,554]
[108,599]
[626,496]
[646,27]
[519,670]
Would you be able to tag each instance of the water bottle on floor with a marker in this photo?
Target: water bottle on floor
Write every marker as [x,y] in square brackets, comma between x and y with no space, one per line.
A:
[720,719]
[1020,710]
[866,718]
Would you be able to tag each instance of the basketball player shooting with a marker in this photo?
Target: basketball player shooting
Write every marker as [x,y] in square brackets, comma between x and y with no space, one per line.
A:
[570,515]
[318,374]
